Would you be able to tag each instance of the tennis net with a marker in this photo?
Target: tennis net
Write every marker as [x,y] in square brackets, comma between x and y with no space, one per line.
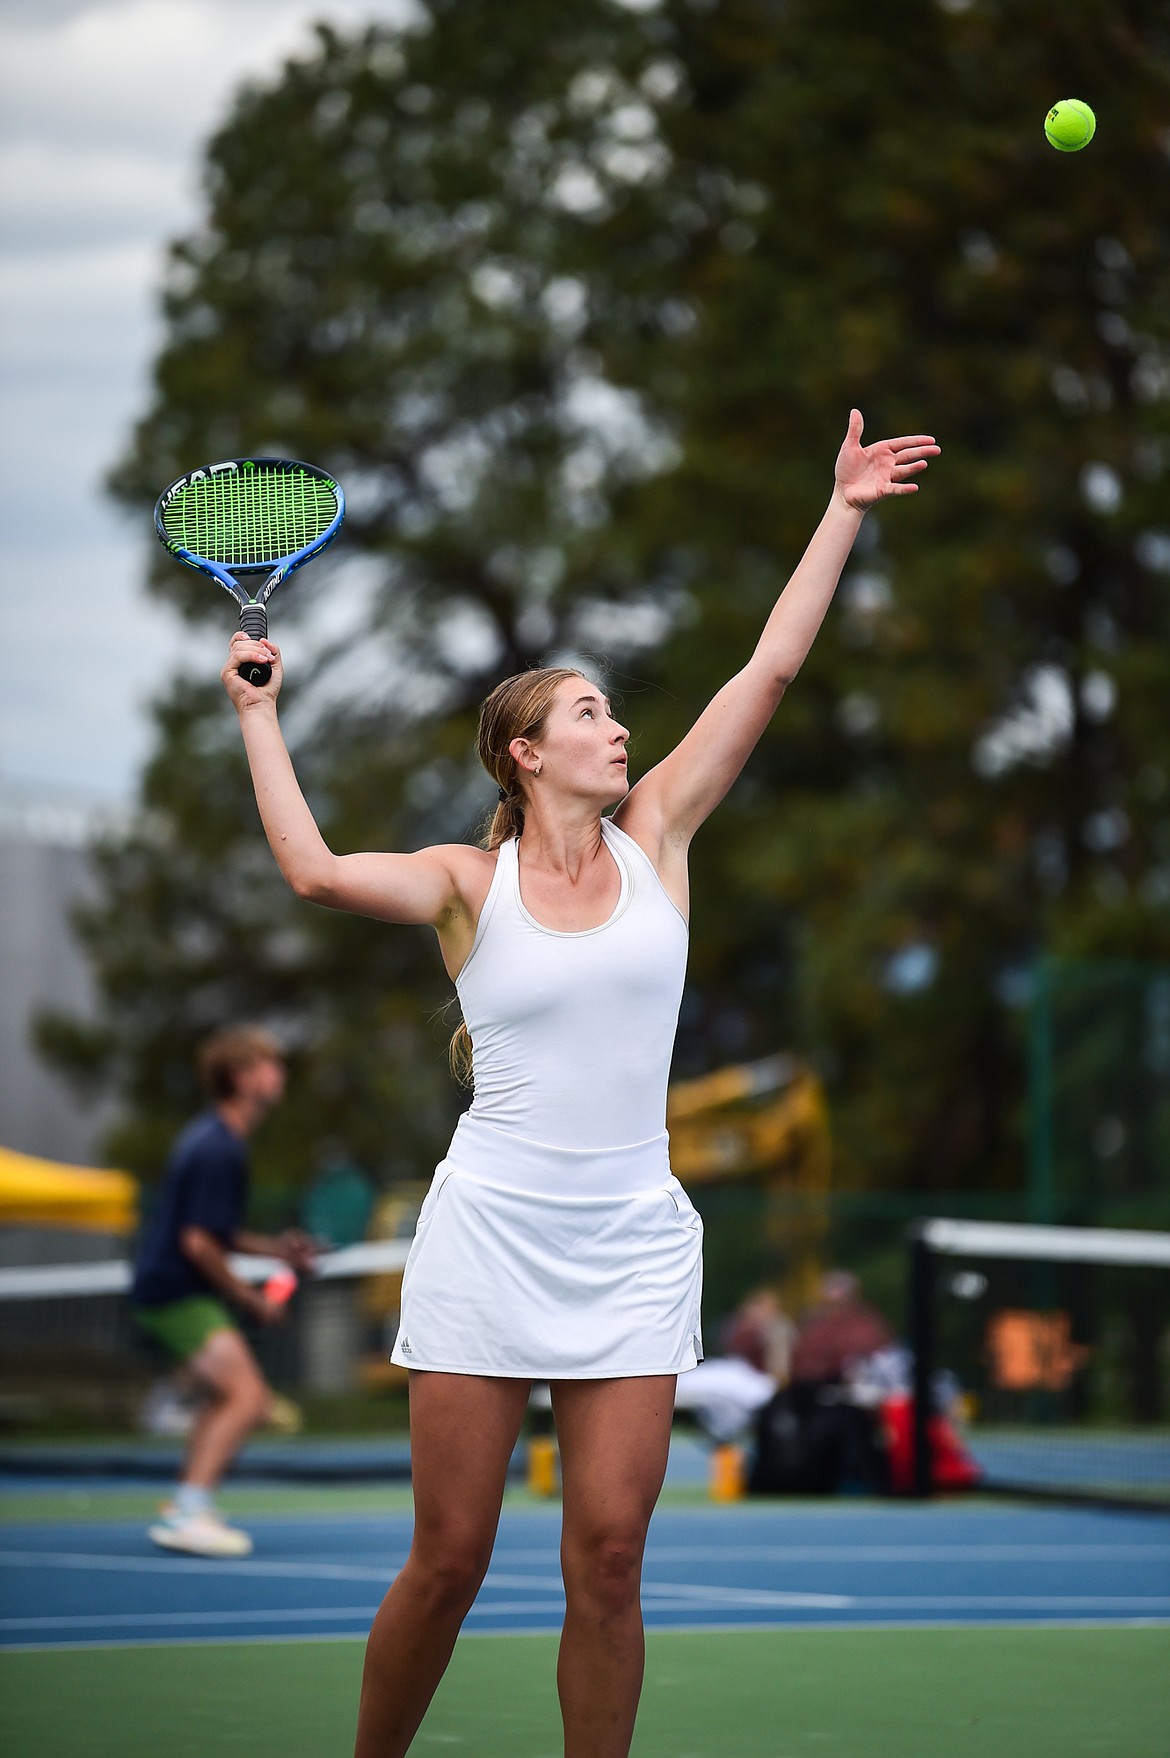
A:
[1058,1341]
[69,1341]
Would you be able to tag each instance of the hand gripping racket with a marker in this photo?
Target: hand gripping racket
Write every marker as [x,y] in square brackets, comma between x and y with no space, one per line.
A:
[280,1286]
[250,516]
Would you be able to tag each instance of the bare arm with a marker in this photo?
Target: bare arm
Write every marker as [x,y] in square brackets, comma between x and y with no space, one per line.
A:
[419,888]
[297,1249]
[204,1250]
[669,803]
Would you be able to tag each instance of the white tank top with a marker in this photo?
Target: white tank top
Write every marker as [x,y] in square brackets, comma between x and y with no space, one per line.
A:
[572,1033]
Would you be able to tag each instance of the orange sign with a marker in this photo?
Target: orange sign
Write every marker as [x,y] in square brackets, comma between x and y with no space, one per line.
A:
[1033,1351]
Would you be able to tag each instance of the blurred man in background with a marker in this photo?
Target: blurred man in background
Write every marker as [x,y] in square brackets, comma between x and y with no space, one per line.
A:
[186,1294]
[840,1329]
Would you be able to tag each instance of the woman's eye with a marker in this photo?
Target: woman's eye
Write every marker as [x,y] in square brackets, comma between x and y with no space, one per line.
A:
[586,711]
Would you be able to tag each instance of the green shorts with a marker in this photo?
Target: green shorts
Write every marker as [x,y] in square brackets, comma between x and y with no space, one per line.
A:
[185,1325]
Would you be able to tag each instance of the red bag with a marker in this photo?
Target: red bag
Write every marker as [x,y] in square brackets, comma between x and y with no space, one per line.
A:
[952,1467]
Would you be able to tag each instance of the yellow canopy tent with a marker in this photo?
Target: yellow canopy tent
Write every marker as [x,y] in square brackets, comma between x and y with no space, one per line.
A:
[42,1193]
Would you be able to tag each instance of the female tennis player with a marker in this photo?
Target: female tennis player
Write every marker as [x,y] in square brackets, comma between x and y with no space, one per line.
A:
[554,1243]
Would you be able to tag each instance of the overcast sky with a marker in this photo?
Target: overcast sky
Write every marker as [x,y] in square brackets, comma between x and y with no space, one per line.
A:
[104,105]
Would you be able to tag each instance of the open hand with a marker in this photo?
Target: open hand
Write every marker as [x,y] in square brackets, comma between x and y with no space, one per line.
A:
[867,474]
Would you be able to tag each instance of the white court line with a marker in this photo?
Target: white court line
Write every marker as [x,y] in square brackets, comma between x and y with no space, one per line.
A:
[798,1601]
[712,1594]
[1143,1609]
[283,1614]
[526,1583]
[730,1598]
[658,1597]
[238,1568]
[790,1627]
[882,1553]
[127,1620]
[257,1567]
[175,1565]
[709,1592]
[1083,1602]
[671,1595]
[241,1569]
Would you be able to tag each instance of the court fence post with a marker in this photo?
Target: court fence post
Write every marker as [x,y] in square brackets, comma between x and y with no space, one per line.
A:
[921,1304]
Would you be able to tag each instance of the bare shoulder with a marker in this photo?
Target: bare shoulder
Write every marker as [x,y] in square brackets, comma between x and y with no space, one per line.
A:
[464,857]
[641,817]
[472,870]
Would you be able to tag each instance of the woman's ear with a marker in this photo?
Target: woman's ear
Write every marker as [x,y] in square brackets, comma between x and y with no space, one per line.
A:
[524,756]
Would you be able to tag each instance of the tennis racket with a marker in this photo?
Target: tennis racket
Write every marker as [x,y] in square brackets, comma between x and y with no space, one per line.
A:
[250,516]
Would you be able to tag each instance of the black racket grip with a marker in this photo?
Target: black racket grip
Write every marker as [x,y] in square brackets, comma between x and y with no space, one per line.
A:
[254,622]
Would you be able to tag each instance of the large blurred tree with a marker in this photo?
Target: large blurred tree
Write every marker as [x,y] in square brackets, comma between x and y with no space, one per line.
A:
[575,303]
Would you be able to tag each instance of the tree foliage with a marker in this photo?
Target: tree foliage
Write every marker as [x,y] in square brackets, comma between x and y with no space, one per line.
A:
[575,304]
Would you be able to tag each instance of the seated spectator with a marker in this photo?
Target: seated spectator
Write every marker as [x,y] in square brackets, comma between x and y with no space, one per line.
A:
[761,1333]
[813,1438]
[726,1390]
[840,1329]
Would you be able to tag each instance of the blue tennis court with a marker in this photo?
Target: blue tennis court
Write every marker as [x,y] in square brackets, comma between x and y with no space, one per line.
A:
[748,1566]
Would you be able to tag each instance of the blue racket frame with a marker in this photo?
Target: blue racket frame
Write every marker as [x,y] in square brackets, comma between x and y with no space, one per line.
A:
[253,612]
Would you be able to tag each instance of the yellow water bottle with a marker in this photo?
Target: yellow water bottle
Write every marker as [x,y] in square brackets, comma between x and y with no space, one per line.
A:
[728,1474]
[543,1473]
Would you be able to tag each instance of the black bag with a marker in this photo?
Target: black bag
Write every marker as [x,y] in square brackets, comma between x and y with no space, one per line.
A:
[809,1441]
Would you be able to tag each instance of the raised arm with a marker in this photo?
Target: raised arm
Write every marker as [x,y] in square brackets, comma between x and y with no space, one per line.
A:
[419,888]
[670,802]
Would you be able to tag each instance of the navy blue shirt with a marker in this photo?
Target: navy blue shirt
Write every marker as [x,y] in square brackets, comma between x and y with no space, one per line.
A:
[206,1185]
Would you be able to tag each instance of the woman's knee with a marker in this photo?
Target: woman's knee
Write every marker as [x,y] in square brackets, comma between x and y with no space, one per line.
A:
[449,1567]
[604,1563]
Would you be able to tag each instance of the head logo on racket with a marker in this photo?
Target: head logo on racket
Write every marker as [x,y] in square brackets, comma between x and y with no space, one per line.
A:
[250,516]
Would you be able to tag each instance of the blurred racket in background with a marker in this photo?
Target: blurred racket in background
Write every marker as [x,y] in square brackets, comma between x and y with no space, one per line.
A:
[250,516]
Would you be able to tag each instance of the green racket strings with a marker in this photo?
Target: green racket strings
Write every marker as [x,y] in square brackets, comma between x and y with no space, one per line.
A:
[250,518]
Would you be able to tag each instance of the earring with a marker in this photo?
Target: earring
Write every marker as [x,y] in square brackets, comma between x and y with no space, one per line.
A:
[538,769]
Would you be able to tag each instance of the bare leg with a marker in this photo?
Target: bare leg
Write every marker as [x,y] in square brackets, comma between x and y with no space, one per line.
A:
[240,1401]
[462,1432]
[614,1437]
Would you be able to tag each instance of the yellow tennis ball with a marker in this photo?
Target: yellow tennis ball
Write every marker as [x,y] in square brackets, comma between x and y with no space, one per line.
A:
[1070,125]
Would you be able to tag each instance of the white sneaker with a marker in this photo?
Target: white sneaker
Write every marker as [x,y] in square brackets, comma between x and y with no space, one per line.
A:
[199,1535]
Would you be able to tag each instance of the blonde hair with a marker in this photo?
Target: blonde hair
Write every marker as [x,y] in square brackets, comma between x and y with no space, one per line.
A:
[516,709]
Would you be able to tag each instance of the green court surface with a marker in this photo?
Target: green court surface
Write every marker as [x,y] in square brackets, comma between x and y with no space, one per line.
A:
[242,1502]
[1019,1693]
[1058,1680]
[246,1501]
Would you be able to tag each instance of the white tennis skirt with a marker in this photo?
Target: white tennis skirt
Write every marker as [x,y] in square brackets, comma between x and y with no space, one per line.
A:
[536,1262]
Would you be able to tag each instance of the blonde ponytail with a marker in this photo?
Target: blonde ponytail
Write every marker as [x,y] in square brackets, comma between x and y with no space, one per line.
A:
[507,822]
[516,709]
[459,1056]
